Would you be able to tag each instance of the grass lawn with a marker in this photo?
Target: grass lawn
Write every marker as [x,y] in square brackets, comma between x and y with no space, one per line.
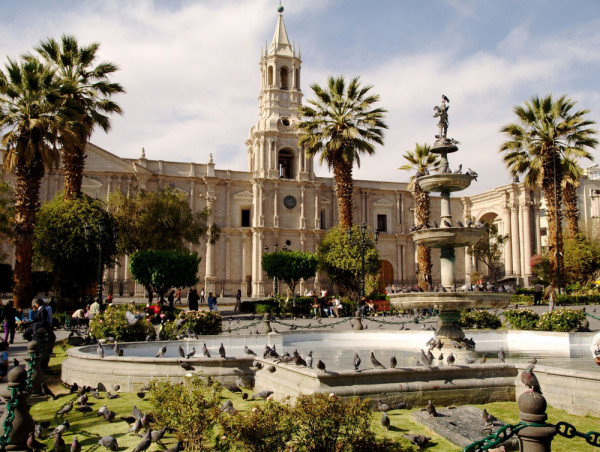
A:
[89,428]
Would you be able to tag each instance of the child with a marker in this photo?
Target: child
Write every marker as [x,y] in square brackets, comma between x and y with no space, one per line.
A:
[3,360]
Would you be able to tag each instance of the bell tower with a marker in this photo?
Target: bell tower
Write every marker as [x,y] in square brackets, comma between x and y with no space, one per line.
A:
[273,151]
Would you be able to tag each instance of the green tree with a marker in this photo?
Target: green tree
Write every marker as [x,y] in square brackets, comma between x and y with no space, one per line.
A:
[290,266]
[159,220]
[158,271]
[488,250]
[546,130]
[421,161]
[85,86]
[582,258]
[61,245]
[340,124]
[30,122]
[342,261]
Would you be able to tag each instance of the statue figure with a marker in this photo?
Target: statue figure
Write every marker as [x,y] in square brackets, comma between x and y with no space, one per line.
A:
[442,112]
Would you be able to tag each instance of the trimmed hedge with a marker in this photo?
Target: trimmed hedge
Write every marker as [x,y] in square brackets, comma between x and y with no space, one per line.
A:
[112,323]
[479,319]
[560,320]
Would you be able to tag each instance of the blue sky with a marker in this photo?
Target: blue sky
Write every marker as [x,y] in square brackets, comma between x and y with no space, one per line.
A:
[191,72]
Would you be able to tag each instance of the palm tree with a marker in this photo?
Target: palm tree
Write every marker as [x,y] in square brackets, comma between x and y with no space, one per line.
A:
[340,125]
[421,160]
[30,121]
[546,130]
[572,172]
[86,87]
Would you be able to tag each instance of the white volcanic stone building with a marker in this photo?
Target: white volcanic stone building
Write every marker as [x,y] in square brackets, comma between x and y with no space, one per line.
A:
[280,200]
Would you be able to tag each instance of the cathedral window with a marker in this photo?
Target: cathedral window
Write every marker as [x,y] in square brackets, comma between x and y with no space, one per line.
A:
[245,218]
[283,75]
[382,223]
[284,163]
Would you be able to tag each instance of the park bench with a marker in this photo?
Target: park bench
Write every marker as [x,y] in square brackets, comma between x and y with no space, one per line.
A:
[382,306]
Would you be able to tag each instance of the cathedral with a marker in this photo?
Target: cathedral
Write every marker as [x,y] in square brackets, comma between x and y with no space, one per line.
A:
[279,202]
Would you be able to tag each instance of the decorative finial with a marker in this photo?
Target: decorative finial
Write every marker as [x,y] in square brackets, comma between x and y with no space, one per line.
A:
[143,153]
[210,159]
[280,8]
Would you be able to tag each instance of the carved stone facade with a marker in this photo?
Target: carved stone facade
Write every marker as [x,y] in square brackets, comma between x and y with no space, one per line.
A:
[280,200]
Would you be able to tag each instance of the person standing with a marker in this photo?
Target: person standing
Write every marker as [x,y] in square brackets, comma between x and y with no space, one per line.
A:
[202,296]
[178,296]
[171,300]
[537,293]
[10,322]
[212,302]
[238,301]
[551,296]
[193,298]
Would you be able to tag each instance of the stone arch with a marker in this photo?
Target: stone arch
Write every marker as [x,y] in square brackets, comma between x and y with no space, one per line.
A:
[386,275]
[285,164]
[284,78]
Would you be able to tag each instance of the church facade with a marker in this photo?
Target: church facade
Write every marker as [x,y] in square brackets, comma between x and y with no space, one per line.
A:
[279,202]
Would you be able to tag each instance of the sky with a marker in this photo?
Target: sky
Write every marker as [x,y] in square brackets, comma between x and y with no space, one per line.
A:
[191,68]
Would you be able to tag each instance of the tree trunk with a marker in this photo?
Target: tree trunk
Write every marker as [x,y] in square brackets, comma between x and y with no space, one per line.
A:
[344,187]
[554,215]
[27,194]
[571,209]
[73,163]
[422,211]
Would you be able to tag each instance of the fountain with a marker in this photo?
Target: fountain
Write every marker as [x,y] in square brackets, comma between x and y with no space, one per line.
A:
[447,238]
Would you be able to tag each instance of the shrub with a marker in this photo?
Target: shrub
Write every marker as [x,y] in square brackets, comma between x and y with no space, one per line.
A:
[577,299]
[562,319]
[263,428]
[189,409]
[523,291]
[197,322]
[522,299]
[262,308]
[112,323]
[249,307]
[299,307]
[350,306]
[480,319]
[521,319]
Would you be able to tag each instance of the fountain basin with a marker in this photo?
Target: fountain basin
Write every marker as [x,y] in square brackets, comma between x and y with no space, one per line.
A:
[445,183]
[450,300]
[447,237]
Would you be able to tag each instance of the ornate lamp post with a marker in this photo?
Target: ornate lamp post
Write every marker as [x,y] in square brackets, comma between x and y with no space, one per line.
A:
[362,241]
[557,225]
[89,229]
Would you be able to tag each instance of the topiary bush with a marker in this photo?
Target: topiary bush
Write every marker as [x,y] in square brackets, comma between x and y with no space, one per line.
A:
[189,409]
[522,319]
[563,319]
[112,323]
[479,319]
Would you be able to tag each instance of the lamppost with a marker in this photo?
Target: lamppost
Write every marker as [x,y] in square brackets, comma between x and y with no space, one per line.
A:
[362,241]
[275,245]
[556,219]
[89,229]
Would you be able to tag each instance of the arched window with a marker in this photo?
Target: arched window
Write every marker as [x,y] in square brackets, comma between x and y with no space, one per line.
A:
[270,76]
[283,75]
[285,164]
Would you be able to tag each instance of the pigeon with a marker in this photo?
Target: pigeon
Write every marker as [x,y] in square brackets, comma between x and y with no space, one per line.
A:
[176,448]
[459,169]
[501,355]
[100,350]
[186,366]
[400,406]
[222,350]
[231,387]
[470,361]
[356,362]
[298,360]
[321,366]
[447,224]
[244,396]
[109,416]
[141,394]
[95,393]
[65,409]
[62,428]
[450,360]
[205,351]
[430,408]
[102,410]
[116,388]
[460,224]
[488,418]
[376,363]
[418,440]
[110,396]
[181,352]
[424,358]
[131,318]
[257,364]
[136,413]
[469,223]
[33,443]
[261,395]
[430,356]
[46,391]
[109,442]
[157,435]
[161,352]
[226,406]
[271,369]
[75,446]
[309,360]
[145,444]
[116,348]
[382,406]
[59,443]
[530,380]
[473,173]
[248,351]
[393,362]
[385,421]
[441,359]
[135,427]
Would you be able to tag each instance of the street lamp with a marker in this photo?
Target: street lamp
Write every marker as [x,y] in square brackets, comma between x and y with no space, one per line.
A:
[556,220]
[362,241]
[100,242]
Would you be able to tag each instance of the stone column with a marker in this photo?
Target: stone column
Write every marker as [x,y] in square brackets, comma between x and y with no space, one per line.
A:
[108,186]
[275,205]
[317,209]
[527,236]
[508,268]
[538,232]
[302,217]
[515,240]
[244,240]
[261,217]
[209,275]
[399,209]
